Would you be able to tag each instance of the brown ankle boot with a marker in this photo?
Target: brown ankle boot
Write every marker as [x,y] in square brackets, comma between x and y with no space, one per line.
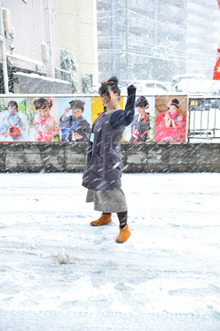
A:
[124,234]
[103,220]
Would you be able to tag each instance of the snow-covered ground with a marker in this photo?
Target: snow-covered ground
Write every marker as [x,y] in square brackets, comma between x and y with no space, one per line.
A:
[59,273]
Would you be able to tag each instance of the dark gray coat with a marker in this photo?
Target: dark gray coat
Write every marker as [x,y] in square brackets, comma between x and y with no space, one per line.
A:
[103,164]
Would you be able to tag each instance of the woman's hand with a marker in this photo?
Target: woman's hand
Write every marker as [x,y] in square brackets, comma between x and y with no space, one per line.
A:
[174,125]
[131,88]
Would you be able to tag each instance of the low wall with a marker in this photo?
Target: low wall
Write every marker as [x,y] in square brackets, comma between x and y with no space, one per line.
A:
[137,157]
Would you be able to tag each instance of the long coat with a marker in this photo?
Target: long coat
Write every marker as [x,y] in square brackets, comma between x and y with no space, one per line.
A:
[103,164]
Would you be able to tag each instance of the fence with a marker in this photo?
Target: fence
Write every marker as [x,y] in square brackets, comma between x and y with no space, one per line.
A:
[204,118]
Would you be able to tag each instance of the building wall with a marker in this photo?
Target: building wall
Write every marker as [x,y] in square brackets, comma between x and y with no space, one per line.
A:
[141,39]
[72,26]
[203,32]
[29,20]
[106,47]
[157,38]
[172,26]
[78,33]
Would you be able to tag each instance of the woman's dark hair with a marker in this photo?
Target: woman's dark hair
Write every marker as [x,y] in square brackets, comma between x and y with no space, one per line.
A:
[12,103]
[142,102]
[175,102]
[43,103]
[111,83]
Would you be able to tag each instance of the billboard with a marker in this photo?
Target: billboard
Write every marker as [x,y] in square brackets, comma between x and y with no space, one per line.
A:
[69,118]
[164,119]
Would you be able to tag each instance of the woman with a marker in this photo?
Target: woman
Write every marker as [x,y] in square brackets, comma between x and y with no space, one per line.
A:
[102,174]
[171,116]
[141,125]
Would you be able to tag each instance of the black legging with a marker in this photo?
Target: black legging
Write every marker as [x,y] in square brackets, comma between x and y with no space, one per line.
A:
[122,216]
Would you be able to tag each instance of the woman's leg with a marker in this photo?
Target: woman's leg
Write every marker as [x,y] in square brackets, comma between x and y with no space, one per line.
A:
[124,230]
[122,217]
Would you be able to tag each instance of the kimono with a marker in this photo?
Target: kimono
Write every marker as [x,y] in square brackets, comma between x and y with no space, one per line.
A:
[71,125]
[140,129]
[42,134]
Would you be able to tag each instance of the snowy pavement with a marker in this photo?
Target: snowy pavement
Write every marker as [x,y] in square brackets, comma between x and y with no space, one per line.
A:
[59,273]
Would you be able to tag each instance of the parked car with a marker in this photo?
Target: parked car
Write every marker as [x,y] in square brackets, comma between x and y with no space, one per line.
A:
[147,87]
[196,86]
[216,87]
[187,82]
[167,85]
[203,87]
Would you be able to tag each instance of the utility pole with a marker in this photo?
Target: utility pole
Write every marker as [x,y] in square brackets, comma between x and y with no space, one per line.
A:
[50,38]
[126,39]
[4,58]
[113,31]
[156,10]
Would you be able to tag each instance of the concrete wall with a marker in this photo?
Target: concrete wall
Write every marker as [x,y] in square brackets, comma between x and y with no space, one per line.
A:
[70,157]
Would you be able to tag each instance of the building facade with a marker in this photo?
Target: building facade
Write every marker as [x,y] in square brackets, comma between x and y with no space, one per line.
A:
[156,39]
[35,32]
[30,35]
[77,26]
[202,36]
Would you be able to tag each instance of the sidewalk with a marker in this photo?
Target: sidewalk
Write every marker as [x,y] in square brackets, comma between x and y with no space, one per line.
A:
[59,273]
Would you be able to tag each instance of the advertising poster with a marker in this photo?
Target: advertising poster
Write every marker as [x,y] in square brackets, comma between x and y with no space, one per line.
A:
[75,119]
[43,119]
[48,119]
[170,118]
[13,120]
[142,127]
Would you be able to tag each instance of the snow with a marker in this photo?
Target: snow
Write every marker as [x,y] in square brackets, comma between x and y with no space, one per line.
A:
[59,273]
[43,78]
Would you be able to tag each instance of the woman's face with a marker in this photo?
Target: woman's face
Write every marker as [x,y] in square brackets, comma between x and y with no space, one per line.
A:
[140,110]
[173,109]
[44,113]
[109,99]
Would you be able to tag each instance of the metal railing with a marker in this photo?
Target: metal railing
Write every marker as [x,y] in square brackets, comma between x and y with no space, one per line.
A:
[204,118]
